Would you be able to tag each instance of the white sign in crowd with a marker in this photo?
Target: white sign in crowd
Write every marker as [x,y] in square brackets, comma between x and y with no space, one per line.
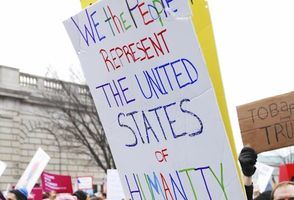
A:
[2,167]
[153,93]
[33,170]
[262,176]
[114,186]
[85,183]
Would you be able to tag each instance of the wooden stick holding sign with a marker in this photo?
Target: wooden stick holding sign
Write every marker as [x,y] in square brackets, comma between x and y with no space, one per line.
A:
[268,124]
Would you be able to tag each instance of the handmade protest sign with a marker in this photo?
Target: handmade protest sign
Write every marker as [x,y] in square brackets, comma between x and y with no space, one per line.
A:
[36,194]
[33,170]
[155,99]
[85,183]
[263,175]
[56,182]
[2,167]
[267,124]
[204,30]
[203,26]
[114,186]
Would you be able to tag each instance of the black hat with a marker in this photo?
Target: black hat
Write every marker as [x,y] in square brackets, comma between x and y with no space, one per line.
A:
[81,195]
[264,196]
[19,194]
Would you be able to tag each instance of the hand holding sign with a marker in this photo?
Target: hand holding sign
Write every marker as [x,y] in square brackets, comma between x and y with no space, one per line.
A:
[247,159]
[267,124]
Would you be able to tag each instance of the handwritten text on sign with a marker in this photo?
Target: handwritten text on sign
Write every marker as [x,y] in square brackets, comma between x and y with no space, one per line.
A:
[268,123]
[155,100]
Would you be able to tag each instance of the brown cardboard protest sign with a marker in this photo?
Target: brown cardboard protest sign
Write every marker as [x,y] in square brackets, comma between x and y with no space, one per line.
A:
[268,124]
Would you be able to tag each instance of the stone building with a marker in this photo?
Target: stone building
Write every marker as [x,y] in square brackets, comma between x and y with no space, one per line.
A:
[21,108]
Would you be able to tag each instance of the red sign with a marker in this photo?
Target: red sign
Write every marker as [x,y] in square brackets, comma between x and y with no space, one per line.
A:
[57,183]
[36,194]
[286,172]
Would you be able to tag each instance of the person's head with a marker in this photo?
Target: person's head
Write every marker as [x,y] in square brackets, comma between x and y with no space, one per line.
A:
[264,196]
[65,196]
[94,198]
[81,195]
[17,194]
[52,195]
[283,191]
[45,195]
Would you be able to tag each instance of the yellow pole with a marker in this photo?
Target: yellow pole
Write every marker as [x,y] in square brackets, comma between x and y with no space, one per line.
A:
[86,3]
[203,26]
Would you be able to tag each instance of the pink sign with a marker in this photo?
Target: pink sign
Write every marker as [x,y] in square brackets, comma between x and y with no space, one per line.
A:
[55,182]
[36,194]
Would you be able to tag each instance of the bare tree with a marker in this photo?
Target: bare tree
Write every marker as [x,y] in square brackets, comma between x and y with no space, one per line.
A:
[75,118]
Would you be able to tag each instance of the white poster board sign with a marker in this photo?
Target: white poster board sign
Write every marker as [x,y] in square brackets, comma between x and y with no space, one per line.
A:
[147,76]
[2,167]
[33,170]
[114,186]
[263,176]
[85,183]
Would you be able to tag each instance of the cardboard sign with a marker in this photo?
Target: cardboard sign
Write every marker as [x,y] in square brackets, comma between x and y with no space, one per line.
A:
[268,124]
[85,183]
[286,172]
[33,170]
[114,186]
[2,167]
[155,100]
[56,182]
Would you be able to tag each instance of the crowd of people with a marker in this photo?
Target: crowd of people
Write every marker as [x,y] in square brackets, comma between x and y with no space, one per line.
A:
[247,159]
[22,194]
[282,191]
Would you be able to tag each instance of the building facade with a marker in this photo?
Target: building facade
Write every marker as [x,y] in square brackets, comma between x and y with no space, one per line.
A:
[22,111]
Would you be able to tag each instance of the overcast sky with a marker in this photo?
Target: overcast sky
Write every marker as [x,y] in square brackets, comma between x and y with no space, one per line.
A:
[255,43]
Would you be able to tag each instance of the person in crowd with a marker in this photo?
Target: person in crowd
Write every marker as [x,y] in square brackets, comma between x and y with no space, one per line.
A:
[65,196]
[45,195]
[264,195]
[17,194]
[104,195]
[94,197]
[52,195]
[81,195]
[2,196]
[247,159]
[283,191]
